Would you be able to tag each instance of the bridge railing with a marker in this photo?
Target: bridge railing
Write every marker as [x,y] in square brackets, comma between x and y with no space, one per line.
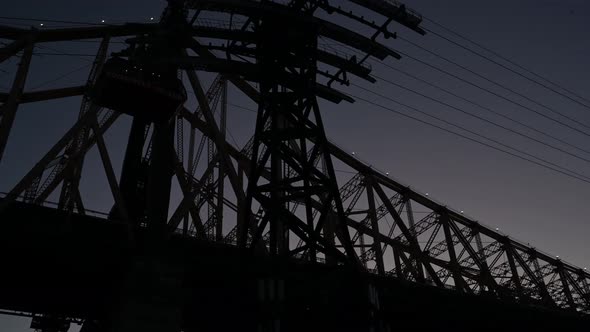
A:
[90,212]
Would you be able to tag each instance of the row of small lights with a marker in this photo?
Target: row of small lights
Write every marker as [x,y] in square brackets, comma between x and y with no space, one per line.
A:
[353,153]
[387,173]
[101,21]
[462,212]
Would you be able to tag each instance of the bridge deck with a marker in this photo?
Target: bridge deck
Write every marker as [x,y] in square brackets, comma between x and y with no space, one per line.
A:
[79,266]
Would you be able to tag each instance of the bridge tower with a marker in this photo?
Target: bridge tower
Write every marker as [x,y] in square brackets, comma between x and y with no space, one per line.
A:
[262,237]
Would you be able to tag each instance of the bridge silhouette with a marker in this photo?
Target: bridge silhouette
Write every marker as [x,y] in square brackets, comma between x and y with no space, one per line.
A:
[272,235]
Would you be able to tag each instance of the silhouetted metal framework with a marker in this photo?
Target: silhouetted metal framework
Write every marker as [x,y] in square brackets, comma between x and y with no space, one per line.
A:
[278,195]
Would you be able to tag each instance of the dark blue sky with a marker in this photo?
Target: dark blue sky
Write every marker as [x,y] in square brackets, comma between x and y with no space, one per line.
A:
[535,205]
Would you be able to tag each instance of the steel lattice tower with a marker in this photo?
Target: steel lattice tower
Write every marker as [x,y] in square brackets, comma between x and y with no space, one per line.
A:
[267,233]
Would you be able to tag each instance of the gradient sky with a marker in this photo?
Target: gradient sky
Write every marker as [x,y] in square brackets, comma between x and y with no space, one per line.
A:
[535,205]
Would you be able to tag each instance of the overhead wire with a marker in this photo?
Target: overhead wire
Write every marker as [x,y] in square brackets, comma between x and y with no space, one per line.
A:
[243,108]
[495,124]
[455,33]
[228,131]
[95,41]
[51,21]
[548,164]
[555,168]
[429,30]
[43,26]
[255,112]
[497,95]
[100,22]
[232,136]
[58,52]
[493,82]
[66,54]
[508,68]
[17,24]
[60,77]
[490,110]
[481,88]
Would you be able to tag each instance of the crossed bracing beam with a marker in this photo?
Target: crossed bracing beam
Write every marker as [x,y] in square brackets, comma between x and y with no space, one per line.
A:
[237,42]
[394,230]
[444,248]
[451,245]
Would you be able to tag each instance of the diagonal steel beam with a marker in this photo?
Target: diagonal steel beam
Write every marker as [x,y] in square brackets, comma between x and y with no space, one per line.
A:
[38,169]
[110,173]
[12,49]
[74,160]
[8,109]
[190,192]
[375,226]
[540,283]
[217,136]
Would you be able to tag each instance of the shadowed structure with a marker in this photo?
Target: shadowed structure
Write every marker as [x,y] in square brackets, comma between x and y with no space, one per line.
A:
[284,243]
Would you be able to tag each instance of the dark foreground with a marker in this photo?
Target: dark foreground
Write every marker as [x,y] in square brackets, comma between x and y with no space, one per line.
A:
[82,267]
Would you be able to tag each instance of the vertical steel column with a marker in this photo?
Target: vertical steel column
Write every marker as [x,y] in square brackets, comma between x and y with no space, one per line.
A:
[277,202]
[374,226]
[132,181]
[160,177]
[221,167]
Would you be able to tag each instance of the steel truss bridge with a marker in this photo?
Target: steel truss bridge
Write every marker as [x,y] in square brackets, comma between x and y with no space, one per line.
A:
[266,237]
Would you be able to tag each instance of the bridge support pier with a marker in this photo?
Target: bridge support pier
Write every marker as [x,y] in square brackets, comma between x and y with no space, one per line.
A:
[150,300]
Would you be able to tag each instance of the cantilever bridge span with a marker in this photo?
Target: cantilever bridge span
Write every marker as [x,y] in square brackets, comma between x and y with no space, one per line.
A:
[265,237]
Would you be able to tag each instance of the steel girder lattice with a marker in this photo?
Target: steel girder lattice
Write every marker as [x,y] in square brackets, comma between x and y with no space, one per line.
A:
[278,194]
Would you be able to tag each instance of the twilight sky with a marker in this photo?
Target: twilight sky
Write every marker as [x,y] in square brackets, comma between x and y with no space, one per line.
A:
[537,206]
